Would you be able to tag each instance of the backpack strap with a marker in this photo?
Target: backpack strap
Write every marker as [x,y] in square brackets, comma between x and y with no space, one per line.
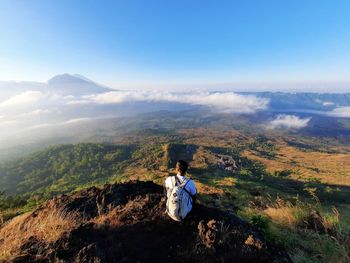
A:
[177,180]
[184,188]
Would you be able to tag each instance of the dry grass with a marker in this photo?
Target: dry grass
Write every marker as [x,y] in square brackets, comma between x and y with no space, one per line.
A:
[227,181]
[203,188]
[282,216]
[111,219]
[328,168]
[286,214]
[312,232]
[46,227]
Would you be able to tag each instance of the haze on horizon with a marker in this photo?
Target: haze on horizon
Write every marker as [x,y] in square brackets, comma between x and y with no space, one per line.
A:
[238,45]
[65,65]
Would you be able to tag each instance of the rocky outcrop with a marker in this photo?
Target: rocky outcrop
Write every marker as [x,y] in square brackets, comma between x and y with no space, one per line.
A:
[127,223]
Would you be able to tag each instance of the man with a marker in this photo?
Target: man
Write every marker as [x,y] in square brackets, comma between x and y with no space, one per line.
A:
[180,192]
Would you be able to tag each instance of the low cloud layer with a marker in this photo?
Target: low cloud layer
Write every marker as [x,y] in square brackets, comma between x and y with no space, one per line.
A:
[227,101]
[22,99]
[342,112]
[283,121]
[325,103]
[33,108]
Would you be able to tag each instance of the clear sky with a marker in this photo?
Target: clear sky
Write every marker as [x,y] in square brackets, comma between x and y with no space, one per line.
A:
[176,41]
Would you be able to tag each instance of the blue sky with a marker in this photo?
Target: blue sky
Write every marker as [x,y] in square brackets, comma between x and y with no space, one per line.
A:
[176,41]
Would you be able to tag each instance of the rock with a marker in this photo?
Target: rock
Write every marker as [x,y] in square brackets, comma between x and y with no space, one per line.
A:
[89,254]
[127,223]
[209,233]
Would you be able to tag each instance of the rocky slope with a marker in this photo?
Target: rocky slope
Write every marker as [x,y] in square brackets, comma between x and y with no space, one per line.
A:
[127,223]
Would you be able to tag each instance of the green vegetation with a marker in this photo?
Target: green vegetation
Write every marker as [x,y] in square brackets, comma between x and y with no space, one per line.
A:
[59,169]
[277,188]
[263,147]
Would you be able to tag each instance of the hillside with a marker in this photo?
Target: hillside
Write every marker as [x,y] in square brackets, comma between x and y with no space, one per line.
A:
[74,85]
[62,168]
[127,223]
[293,189]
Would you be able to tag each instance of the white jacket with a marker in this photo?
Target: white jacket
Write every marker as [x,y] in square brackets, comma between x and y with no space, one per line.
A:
[170,183]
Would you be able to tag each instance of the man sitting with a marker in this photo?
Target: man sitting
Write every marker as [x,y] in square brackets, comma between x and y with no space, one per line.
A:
[180,193]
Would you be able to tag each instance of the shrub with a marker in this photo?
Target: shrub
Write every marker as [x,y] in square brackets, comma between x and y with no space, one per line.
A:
[259,221]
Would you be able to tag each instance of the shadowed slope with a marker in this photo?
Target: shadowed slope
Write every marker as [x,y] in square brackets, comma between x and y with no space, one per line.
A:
[127,223]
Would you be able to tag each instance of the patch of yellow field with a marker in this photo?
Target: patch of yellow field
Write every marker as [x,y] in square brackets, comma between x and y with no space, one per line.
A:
[328,168]
[227,181]
[203,188]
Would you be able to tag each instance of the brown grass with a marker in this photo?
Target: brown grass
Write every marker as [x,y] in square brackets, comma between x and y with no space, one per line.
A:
[111,219]
[328,168]
[46,227]
[203,188]
[286,214]
[227,181]
[282,216]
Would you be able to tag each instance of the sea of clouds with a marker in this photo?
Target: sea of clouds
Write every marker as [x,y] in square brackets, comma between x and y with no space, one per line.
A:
[37,109]
[33,109]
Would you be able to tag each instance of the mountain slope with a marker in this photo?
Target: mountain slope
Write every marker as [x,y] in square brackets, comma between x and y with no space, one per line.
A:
[74,85]
[127,223]
[63,84]
[62,168]
[294,189]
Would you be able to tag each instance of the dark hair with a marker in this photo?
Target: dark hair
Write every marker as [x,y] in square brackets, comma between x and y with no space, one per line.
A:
[182,166]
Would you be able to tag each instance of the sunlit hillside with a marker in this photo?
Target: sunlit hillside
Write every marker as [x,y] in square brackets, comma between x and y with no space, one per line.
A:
[280,185]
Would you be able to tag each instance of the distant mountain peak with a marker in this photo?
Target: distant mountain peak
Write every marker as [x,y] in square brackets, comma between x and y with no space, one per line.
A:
[82,77]
[75,84]
[66,78]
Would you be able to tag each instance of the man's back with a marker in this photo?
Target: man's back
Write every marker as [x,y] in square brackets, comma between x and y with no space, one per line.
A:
[170,183]
[180,193]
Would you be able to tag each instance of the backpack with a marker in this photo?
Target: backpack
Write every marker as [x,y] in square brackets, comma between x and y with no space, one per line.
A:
[179,202]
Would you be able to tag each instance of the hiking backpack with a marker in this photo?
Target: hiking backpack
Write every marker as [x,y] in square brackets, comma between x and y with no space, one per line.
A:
[179,202]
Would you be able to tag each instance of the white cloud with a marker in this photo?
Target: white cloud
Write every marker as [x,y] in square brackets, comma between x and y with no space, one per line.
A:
[36,109]
[75,121]
[23,99]
[34,113]
[328,103]
[325,103]
[288,122]
[227,101]
[34,103]
[40,126]
[70,121]
[342,112]
[78,102]
[6,123]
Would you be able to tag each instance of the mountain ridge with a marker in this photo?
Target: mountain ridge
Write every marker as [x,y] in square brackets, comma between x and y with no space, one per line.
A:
[75,85]
[127,223]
